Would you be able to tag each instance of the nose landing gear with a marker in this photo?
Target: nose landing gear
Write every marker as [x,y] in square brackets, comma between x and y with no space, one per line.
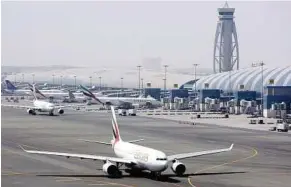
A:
[156,175]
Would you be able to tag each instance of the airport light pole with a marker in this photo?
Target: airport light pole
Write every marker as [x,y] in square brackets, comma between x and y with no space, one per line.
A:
[33,78]
[75,77]
[141,84]
[165,79]
[262,79]
[61,81]
[100,83]
[90,81]
[53,79]
[138,67]
[22,78]
[121,83]
[195,66]
[14,78]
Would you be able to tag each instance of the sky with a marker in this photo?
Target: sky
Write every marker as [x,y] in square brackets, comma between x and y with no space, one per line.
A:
[122,34]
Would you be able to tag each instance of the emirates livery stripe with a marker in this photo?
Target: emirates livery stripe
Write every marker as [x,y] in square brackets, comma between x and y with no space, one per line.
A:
[36,90]
[115,132]
[88,93]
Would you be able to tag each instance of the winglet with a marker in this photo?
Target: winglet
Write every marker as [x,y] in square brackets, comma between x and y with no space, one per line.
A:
[230,148]
[22,148]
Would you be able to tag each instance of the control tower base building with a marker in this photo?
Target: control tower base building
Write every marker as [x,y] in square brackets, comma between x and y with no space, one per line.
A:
[226,51]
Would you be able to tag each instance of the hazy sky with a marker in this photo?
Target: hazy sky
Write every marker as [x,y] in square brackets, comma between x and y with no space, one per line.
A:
[99,33]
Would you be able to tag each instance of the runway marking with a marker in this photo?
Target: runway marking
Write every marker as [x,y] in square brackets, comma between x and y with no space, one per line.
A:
[190,182]
[7,141]
[91,183]
[255,153]
[107,183]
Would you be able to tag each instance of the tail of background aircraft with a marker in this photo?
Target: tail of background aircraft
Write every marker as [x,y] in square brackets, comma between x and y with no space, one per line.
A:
[71,95]
[88,93]
[9,85]
[115,128]
[35,91]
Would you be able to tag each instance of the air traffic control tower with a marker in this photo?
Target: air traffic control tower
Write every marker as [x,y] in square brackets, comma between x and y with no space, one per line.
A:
[226,52]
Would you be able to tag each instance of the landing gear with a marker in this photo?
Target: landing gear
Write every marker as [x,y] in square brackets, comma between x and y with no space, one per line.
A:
[134,172]
[51,113]
[118,173]
[156,175]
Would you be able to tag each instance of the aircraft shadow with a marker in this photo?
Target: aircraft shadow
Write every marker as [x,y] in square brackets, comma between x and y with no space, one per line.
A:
[43,114]
[164,178]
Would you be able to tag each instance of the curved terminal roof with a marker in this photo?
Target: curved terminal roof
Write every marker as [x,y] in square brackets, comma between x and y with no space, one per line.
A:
[251,78]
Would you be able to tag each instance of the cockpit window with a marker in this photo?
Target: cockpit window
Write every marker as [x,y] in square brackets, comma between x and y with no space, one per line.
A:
[161,158]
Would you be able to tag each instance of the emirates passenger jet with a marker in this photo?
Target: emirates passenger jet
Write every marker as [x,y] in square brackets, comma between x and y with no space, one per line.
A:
[135,157]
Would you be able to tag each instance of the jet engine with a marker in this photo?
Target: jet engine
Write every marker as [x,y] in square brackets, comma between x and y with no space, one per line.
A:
[110,169]
[30,111]
[61,111]
[178,168]
[108,103]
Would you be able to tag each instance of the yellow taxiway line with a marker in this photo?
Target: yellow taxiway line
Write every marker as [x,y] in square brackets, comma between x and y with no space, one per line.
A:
[254,151]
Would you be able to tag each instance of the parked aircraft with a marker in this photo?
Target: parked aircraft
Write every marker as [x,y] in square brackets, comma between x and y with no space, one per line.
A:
[11,89]
[121,101]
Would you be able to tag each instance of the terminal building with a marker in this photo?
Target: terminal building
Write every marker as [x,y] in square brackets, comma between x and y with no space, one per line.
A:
[246,79]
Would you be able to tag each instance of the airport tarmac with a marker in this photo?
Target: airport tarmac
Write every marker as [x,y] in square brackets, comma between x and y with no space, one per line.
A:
[234,121]
[258,158]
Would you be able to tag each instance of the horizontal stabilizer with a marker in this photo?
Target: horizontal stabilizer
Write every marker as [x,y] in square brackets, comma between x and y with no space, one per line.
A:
[94,141]
[133,141]
[107,143]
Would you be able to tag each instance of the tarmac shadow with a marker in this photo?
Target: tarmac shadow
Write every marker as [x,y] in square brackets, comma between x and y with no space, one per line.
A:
[169,178]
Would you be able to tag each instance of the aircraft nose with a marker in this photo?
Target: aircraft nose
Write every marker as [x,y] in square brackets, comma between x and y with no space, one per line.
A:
[163,165]
[51,106]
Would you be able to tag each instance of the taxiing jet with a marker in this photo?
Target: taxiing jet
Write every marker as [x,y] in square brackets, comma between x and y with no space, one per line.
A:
[134,157]
[41,105]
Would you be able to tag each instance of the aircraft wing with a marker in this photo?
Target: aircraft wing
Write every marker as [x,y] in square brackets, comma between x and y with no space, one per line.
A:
[21,106]
[196,154]
[82,156]
[68,106]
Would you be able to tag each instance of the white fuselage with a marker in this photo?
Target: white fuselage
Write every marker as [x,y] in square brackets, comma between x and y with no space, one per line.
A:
[44,106]
[147,158]
[18,92]
[56,94]
[116,101]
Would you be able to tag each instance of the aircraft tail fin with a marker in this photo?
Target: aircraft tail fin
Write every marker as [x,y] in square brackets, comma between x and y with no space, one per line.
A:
[35,91]
[88,93]
[115,128]
[71,95]
[9,85]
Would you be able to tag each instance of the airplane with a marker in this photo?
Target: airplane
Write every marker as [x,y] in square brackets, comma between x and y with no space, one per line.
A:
[75,98]
[65,95]
[121,101]
[11,89]
[41,105]
[134,157]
